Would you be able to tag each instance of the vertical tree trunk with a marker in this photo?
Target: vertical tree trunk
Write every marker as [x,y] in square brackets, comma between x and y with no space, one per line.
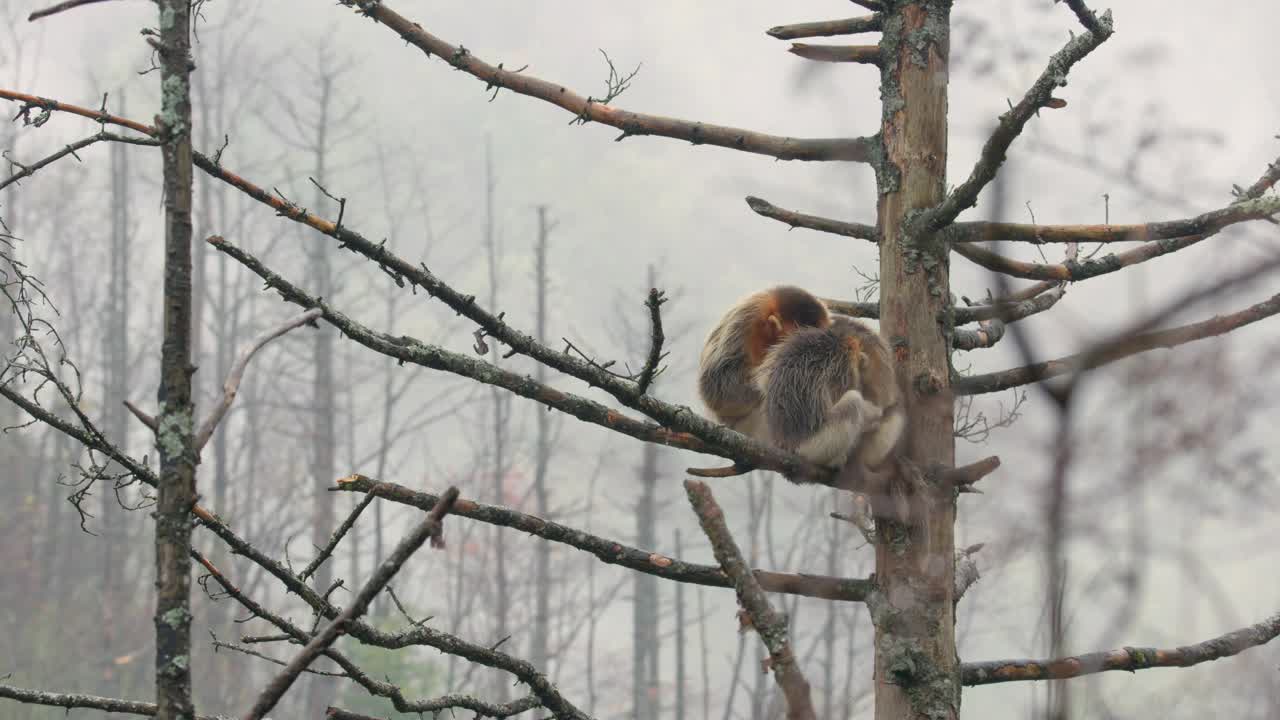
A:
[176,494]
[681,712]
[324,405]
[115,420]
[645,601]
[916,664]
[501,403]
[542,461]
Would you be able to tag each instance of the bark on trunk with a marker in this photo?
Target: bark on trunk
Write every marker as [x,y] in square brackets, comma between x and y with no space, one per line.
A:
[176,493]
[916,665]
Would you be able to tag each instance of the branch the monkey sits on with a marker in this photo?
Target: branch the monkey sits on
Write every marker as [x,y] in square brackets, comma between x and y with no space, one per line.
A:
[739,344]
[831,395]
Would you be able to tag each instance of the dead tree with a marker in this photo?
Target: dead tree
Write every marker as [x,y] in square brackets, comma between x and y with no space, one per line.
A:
[912,595]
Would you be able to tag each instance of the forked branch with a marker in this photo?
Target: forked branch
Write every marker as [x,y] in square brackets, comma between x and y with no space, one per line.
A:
[231,385]
[1012,122]
[1172,337]
[430,527]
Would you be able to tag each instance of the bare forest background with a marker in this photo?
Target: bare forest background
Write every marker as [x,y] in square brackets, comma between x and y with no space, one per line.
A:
[1171,525]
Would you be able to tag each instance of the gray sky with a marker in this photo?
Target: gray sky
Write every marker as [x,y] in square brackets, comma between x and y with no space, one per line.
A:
[622,205]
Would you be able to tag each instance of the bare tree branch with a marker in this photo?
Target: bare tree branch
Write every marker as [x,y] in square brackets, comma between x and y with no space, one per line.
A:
[613,552]
[656,339]
[327,551]
[1086,16]
[1128,658]
[26,171]
[630,123]
[94,702]
[59,7]
[1005,379]
[1011,124]
[1245,209]
[1073,270]
[987,335]
[970,474]
[91,437]
[867,54]
[32,102]
[681,427]
[869,310]
[769,624]
[143,416]
[813,222]
[827,28]
[378,688]
[430,527]
[1013,311]
[232,384]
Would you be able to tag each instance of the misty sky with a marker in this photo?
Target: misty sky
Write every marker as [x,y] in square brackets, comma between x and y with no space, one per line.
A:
[1194,84]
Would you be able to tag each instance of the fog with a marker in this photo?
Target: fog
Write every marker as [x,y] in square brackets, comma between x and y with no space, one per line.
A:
[1179,106]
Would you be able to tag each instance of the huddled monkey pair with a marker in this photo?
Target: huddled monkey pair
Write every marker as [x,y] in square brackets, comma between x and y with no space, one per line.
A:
[780,368]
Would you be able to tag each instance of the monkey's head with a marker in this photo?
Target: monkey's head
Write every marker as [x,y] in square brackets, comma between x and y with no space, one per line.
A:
[781,310]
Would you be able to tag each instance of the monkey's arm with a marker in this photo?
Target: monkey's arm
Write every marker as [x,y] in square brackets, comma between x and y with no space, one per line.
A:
[844,423]
[883,438]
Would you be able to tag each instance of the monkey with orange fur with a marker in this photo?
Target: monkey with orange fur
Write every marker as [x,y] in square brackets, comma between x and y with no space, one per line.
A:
[737,346]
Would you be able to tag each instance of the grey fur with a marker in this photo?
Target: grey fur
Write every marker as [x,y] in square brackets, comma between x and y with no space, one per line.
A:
[803,378]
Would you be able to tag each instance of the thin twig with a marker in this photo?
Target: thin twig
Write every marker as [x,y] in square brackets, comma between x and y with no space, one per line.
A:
[430,527]
[69,150]
[656,339]
[327,551]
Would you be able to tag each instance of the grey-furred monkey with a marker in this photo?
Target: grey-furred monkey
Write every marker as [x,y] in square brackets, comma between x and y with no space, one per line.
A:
[739,344]
[830,395]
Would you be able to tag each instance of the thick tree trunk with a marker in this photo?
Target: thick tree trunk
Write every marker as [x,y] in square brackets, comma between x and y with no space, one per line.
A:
[176,493]
[916,664]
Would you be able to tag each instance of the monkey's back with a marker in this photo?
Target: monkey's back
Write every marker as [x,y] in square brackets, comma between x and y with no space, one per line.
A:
[803,378]
[879,383]
[724,371]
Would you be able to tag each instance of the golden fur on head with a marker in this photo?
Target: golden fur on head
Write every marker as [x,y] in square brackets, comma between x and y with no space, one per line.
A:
[740,342]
